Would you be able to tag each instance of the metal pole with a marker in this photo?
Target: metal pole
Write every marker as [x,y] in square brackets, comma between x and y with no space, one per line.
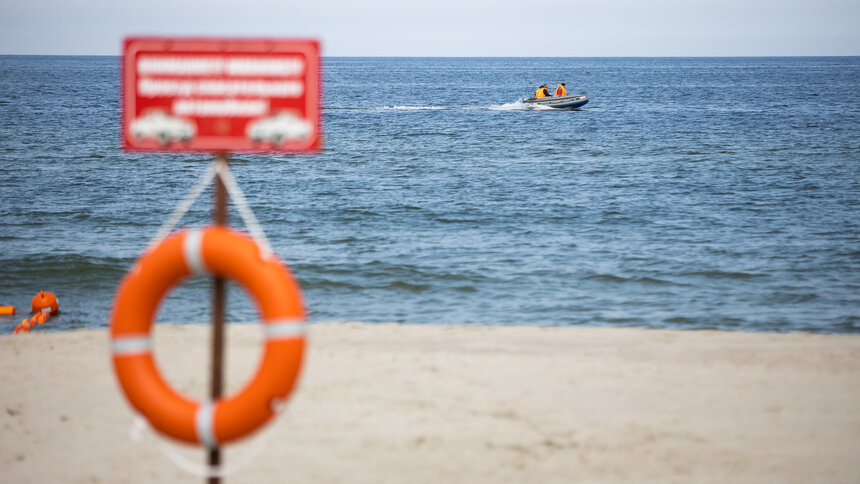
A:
[219,304]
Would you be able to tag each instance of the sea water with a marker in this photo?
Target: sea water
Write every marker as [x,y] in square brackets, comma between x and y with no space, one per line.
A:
[688,193]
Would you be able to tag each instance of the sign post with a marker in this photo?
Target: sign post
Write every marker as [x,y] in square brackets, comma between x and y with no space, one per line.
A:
[219,307]
[219,96]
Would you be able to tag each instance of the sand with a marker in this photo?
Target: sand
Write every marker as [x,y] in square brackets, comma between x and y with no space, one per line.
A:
[389,403]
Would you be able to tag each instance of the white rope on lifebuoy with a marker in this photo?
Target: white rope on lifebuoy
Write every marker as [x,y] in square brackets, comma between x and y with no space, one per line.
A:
[140,428]
[235,193]
[183,206]
[221,170]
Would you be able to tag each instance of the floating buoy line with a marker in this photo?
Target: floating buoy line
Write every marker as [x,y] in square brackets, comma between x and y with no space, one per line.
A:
[43,306]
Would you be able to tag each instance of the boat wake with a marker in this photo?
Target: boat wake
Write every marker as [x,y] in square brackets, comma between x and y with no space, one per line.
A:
[517,105]
[413,108]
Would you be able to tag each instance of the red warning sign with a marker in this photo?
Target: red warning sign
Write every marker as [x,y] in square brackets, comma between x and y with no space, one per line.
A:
[220,94]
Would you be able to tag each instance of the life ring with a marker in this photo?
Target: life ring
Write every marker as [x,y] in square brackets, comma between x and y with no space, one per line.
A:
[232,255]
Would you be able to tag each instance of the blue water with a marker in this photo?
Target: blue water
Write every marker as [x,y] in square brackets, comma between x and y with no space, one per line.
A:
[689,193]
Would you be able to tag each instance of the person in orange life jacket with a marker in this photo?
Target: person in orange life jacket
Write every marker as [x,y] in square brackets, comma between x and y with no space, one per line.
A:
[542,92]
[561,91]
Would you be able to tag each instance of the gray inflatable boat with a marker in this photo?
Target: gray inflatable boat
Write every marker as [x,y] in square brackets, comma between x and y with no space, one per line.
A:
[559,102]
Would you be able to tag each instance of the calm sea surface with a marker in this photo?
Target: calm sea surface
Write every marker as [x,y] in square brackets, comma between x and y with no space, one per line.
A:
[689,193]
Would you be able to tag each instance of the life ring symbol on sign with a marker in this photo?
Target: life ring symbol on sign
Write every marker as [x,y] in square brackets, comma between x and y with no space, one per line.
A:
[232,255]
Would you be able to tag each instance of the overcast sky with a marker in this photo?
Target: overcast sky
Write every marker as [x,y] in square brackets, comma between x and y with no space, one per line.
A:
[570,28]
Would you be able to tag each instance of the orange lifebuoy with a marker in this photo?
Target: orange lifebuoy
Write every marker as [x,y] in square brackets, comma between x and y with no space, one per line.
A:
[232,255]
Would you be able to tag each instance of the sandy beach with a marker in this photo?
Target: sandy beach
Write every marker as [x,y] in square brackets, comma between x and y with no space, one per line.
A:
[397,403]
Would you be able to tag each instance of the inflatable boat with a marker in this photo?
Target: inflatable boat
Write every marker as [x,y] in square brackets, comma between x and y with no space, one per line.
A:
[559,102]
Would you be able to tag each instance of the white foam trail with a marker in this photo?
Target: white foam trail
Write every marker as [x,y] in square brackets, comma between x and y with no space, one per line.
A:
[518,105]
[412,108]
[514,106]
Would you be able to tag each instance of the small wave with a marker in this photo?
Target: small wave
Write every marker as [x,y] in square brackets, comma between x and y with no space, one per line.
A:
[408,286]
[79,270]
[612,278]
[715,274]
[604,278]
[704,323]
[793,297]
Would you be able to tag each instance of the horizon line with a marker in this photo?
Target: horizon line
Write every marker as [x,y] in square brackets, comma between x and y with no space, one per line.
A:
[498,56]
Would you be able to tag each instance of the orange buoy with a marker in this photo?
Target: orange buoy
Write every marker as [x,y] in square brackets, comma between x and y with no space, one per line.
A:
[7,310]
[40,318]
[45,300]
[24,327]
[231,255]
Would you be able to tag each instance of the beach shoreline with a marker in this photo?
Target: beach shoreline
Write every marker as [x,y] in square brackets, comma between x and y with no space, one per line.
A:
[448,403]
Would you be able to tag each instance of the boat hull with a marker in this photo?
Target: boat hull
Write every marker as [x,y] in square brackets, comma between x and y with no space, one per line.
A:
[559,102]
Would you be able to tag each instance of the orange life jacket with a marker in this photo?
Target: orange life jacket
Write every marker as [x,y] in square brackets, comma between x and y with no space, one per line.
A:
[561,91]
[541,92]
